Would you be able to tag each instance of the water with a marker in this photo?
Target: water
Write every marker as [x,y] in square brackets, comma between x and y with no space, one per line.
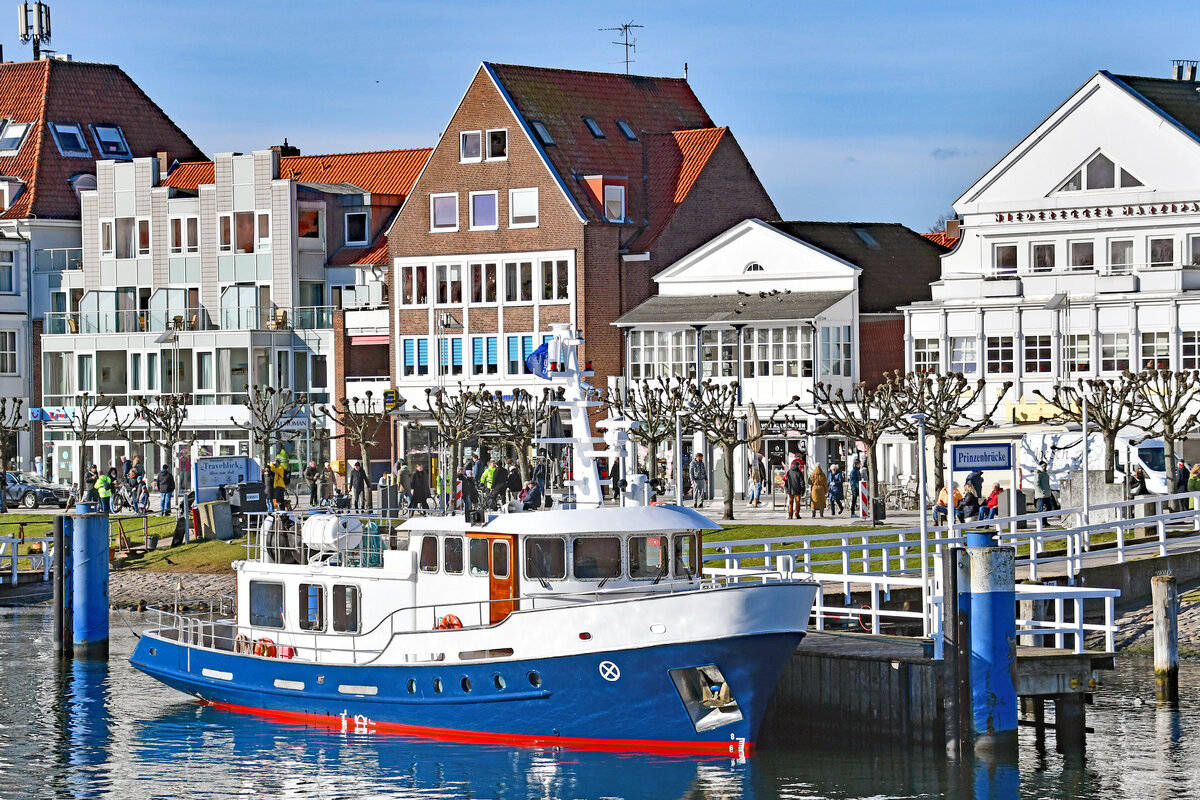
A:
[105,730]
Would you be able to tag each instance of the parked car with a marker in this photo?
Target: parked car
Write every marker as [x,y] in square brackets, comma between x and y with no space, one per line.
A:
[32,490]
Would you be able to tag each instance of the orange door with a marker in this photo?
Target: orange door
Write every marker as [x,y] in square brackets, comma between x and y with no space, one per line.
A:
[503,580]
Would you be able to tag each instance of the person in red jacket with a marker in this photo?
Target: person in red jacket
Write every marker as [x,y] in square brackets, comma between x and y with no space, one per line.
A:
[993,503]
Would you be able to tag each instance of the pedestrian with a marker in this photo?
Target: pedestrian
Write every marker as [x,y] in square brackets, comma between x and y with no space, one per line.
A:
[404,482]
[358,486]
[470,491]
[141,496]
[975,478]
[1137,488]
[487,483]
[277,474]
[328,484]
[1181,479]
[513,479]
[793,486]
[125,467]
[104,489]
[614,479]
[1043,495]
[818,486]
[1193,483]
[481,465]
[165,483]
[420,489]
[311,475]
[756,480]
[499,485]
[837,487]
[992,504]
[855,486]
[698,472]
[968,507]
[530,497]
[539,473]
[89,482]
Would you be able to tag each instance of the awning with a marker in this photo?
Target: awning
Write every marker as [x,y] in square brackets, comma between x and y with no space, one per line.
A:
[357,340]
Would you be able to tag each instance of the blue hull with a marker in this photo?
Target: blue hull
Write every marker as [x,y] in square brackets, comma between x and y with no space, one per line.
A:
[565,701]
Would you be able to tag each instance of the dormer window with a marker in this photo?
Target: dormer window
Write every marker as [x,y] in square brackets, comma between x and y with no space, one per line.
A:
[110,141]
[356,228]
[627,130]
[10,188]
[470,146]
[614,202]
[1100,172]
[69,138]
[12,137]
[594,127]
[543,134]
[83,182]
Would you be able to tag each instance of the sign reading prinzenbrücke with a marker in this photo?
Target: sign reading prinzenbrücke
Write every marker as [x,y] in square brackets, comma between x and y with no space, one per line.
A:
[981,456]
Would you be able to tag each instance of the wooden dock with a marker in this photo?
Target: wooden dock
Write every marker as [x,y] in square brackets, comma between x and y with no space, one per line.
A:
[889,688]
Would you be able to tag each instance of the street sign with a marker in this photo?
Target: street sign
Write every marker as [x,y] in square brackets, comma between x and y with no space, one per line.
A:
[981,456]
[389,399]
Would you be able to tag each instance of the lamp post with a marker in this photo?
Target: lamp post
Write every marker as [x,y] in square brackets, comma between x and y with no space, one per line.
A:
[923,506]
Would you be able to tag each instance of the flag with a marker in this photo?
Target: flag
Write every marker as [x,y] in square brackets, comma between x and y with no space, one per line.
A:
[535,362]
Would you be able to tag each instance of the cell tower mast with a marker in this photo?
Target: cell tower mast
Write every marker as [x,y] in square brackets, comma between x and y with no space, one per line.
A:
[629,42]
[33,24]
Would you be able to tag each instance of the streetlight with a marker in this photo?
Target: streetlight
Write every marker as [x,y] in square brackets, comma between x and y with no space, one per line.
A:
[1062,300]
[923,505]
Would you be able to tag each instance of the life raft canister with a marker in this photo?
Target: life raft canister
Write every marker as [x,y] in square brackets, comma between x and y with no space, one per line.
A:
[264,647]
[242,644]
[448,622]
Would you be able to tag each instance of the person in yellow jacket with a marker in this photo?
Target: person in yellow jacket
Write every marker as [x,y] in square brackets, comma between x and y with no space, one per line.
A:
[818,488]
[104,490]
[278,472]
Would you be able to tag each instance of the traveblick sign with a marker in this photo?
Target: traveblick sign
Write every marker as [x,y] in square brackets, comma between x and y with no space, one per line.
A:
[980,456]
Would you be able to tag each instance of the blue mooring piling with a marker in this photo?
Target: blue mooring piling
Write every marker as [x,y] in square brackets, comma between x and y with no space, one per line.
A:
[89,581]
[993,642]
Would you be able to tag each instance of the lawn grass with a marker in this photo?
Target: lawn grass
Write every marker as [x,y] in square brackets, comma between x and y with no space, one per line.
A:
[211,557]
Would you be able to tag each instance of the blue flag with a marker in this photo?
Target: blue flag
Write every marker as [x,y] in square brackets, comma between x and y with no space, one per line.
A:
[536,362]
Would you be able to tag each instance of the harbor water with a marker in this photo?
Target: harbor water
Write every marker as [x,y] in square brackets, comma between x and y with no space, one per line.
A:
[101,729]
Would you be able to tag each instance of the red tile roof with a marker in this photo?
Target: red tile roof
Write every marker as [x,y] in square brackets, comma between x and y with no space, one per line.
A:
[560,99]
[380,171]
[676,160]
[941,238]
[41,92]
[375,254]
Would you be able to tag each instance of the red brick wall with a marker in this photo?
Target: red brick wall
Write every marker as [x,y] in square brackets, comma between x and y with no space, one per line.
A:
[367,360]
[880,346]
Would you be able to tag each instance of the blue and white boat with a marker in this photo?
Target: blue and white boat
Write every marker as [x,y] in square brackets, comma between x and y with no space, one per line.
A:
[584,626]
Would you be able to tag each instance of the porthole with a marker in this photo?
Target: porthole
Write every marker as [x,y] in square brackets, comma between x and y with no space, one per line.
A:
[412,686]
[437,685]
[153,651]
[498,679]
[466,683]
[535,679]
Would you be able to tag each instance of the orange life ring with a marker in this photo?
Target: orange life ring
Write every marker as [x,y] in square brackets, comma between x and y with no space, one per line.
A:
[264,647]
[448,622]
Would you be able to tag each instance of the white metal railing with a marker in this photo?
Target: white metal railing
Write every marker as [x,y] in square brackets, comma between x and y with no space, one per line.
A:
[11,558]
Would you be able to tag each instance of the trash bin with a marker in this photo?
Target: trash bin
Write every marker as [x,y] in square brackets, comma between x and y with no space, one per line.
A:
[389,495]
[250,497]
[216,520]
[1003,506]
[878,510]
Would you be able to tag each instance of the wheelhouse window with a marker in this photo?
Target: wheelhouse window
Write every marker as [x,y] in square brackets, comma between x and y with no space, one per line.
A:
[687,555]
[648,557]
[497,145]
[478,557]
[429,554]
[266,604]
[470,146]
[545,558]
[345,609]
[312,607]
[500,559]
[452,549]
[596,558]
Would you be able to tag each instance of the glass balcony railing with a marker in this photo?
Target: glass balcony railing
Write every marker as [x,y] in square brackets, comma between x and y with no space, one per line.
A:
[235,318]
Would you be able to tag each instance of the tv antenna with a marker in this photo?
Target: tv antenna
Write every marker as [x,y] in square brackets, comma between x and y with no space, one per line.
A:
[35,27]
[629,42]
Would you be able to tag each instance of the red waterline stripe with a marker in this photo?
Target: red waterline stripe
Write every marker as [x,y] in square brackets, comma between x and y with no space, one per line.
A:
[519,740]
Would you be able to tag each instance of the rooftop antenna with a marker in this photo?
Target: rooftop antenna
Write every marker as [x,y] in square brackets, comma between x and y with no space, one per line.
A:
[33,24]
[629,43]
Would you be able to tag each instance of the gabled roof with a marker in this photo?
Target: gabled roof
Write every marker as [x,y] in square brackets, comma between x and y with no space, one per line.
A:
[1176,100]
[375,254]
[734,309]
[380,171]
[41,92]
[897,264]
[676,160]
[560,99]
[942,239]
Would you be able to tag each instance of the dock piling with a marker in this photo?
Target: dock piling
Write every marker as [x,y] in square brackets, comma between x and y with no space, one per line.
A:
[1164,592]
[60,638]
[89,581]
[993,674]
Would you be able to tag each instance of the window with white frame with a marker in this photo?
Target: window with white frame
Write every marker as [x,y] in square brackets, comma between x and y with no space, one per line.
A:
[1079,353]
[1156,350]
[777,352]
[205,380]
[1194,247]
[926,355]
[110,141]
[1189,350]
[449,283]
[8,275]
[358,229]
[484,282]
[614,202]
[1114,352]
[450,355]
[85,375]
[556,279]
[69,138]
[125,237]
[484,355]
[185,235]
[250,231]
[964,355]
[414,287]
[662,354]
[518,281]
[497,145]
[135,372]
[483,211]
[523,208]
[8,352]
[1162,252]
[1100,172]
[519,349]
[143,237]
[718,353]
[1039,354]
[1083,254]
[1120,256]
[1042,258]
[12,137]
[836,352]
[415,356]
[443,212]
[470,146]
[1004,259]
[998,355]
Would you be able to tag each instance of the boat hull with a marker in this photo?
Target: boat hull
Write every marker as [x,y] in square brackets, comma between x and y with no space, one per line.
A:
[576,700]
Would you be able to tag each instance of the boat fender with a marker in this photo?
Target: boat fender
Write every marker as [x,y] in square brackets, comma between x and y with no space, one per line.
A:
[264,647]
[242,644]
[448,622]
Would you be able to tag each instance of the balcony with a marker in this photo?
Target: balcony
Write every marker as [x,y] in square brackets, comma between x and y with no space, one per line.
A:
[57,259]
[190,319]
[358,386]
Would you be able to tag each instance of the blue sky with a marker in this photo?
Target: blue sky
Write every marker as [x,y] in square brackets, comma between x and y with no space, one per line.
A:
[869,111]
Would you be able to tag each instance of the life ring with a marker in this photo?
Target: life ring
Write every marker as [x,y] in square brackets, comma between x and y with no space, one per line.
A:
[241,644]
[264,647]
[448,622]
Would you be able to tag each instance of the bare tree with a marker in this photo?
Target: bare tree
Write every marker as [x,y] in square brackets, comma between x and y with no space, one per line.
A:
[515,422]
[939,224]
[458,416]
[865,416]
[944,400]
[12,422]
[271,412]
[359,423]
[1167,403]
[164,416]
[654,404]
[712,408]
[1110,404]
[85,421]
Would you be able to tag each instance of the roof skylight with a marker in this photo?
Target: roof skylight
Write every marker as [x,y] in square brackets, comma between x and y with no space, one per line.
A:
[543,135]
[867,238]
[13,136]
[627,130]
[69,137]
[594,127]
[111,142]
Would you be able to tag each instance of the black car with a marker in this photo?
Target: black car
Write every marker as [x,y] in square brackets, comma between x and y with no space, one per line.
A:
[32,490]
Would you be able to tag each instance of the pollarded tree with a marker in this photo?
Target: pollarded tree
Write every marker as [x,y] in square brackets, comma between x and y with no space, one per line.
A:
[866,415]
[459,416]
[516,421]
[655,404]
[945,400]
[1110,408]
[273,414]
[86,419]
[12,422]
[1168,406]
[164,416]
[712,408]
[359,422]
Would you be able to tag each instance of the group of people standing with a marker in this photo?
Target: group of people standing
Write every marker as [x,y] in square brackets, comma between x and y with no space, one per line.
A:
[822,489]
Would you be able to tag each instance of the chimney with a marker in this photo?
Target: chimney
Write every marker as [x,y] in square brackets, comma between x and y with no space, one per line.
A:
[164,166]
[286,149]
[1183,70]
